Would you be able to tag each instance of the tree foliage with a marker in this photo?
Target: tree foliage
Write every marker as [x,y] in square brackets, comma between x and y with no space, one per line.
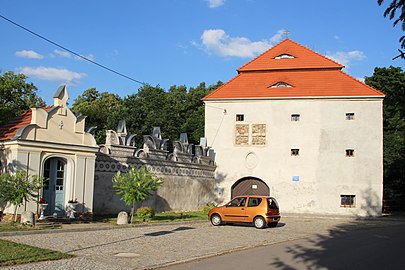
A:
[100,109]
[16,95]
[175,111]
[396,7]
[18,188]
[135,185]
[391,81]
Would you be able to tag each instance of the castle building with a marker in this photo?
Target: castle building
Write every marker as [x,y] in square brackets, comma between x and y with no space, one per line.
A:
[293,125]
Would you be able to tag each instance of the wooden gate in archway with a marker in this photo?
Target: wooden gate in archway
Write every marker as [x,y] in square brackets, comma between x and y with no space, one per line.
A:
[250,186]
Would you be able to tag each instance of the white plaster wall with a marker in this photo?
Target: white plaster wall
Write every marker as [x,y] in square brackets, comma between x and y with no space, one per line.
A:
[322,135]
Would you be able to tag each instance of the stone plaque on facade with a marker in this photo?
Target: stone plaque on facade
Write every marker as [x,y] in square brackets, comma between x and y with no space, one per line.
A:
[242,134]
[258,134]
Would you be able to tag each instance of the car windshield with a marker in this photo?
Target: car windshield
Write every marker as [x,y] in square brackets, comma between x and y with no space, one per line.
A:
[272,203]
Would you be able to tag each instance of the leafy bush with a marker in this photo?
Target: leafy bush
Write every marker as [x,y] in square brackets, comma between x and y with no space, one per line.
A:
[208,207]
[145,213]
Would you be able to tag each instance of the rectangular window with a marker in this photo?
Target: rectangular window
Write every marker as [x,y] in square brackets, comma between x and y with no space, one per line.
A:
[348,201]
[349,152]
[240,117]
[295,117]
[254,202]
[295,152]
[349,116]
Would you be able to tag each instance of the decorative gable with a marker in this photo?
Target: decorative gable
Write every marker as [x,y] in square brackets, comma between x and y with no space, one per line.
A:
[53,124]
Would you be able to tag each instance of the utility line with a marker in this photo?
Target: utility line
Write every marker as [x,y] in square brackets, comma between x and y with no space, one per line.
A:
[72,52]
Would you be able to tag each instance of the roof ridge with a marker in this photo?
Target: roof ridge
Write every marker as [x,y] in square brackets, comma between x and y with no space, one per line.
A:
[335,65]
[278,44]
[323,56]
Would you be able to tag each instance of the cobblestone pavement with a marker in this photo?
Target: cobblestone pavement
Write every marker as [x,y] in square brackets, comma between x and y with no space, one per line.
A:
[147,247]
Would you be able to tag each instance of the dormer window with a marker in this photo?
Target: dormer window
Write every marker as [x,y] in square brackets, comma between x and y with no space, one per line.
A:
[284,56]
[281,85]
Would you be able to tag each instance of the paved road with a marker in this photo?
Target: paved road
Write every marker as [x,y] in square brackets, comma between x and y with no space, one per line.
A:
[155,246]
[370,248]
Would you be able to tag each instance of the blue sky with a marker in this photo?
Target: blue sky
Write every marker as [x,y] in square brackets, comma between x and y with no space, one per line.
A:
[182,42]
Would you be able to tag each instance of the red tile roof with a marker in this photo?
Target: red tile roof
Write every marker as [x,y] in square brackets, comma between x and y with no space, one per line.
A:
[309,73]
[9,130]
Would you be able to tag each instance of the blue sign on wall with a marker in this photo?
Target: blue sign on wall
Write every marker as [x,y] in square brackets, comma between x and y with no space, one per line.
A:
[296,178]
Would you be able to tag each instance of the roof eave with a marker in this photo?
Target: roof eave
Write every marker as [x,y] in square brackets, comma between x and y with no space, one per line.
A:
[296,97]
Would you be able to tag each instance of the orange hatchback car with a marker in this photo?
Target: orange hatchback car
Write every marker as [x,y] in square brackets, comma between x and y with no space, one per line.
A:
[262,211]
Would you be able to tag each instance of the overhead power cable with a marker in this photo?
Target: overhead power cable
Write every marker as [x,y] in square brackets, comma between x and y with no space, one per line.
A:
[72,52]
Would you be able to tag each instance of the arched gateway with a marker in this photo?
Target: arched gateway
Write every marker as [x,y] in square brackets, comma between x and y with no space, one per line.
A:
[250,186]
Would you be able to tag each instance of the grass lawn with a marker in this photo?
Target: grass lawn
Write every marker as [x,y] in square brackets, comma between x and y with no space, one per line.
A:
[159,217]
[11,227]
[12,253]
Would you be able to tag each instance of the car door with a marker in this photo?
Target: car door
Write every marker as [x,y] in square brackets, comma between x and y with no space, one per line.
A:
[254,208]
[234,211]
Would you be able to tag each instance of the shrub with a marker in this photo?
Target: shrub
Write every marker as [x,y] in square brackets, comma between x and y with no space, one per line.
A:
[145,213]
[208,207]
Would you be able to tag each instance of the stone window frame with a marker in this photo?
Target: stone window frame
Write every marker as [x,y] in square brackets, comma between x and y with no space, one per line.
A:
[295,117]
[240,117]
[349,152]
[350,116]
[348,200]
[295,152]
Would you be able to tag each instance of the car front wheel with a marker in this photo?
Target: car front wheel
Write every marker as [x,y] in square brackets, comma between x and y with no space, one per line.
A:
[216,220]
[259,222]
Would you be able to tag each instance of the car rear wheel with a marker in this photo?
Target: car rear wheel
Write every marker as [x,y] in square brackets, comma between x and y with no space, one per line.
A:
[259,222]
[216,220]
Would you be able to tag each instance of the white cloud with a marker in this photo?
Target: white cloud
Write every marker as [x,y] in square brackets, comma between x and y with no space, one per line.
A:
[90,57]
[68,55]
[53,74]
[29,54]
[215,3]
[63,54]
[345,58]
[216,41]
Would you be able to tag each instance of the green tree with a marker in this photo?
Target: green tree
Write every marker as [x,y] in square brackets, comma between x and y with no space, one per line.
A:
[147,109]
[391,12]
[135,186]
[18,188]
[194,117]
[175,111]
[16,95]
[391,81]
[101,110]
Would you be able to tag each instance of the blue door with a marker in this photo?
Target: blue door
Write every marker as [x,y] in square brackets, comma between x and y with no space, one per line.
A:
[54,185]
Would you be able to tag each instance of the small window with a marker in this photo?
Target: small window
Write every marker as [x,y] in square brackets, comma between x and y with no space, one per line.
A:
[254,202]
[295,152]
[347,200]
[238,202]
[240,117]
[349,116]
[295,117]
[349,152]
[272,203]
[281,85]
[284,56]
